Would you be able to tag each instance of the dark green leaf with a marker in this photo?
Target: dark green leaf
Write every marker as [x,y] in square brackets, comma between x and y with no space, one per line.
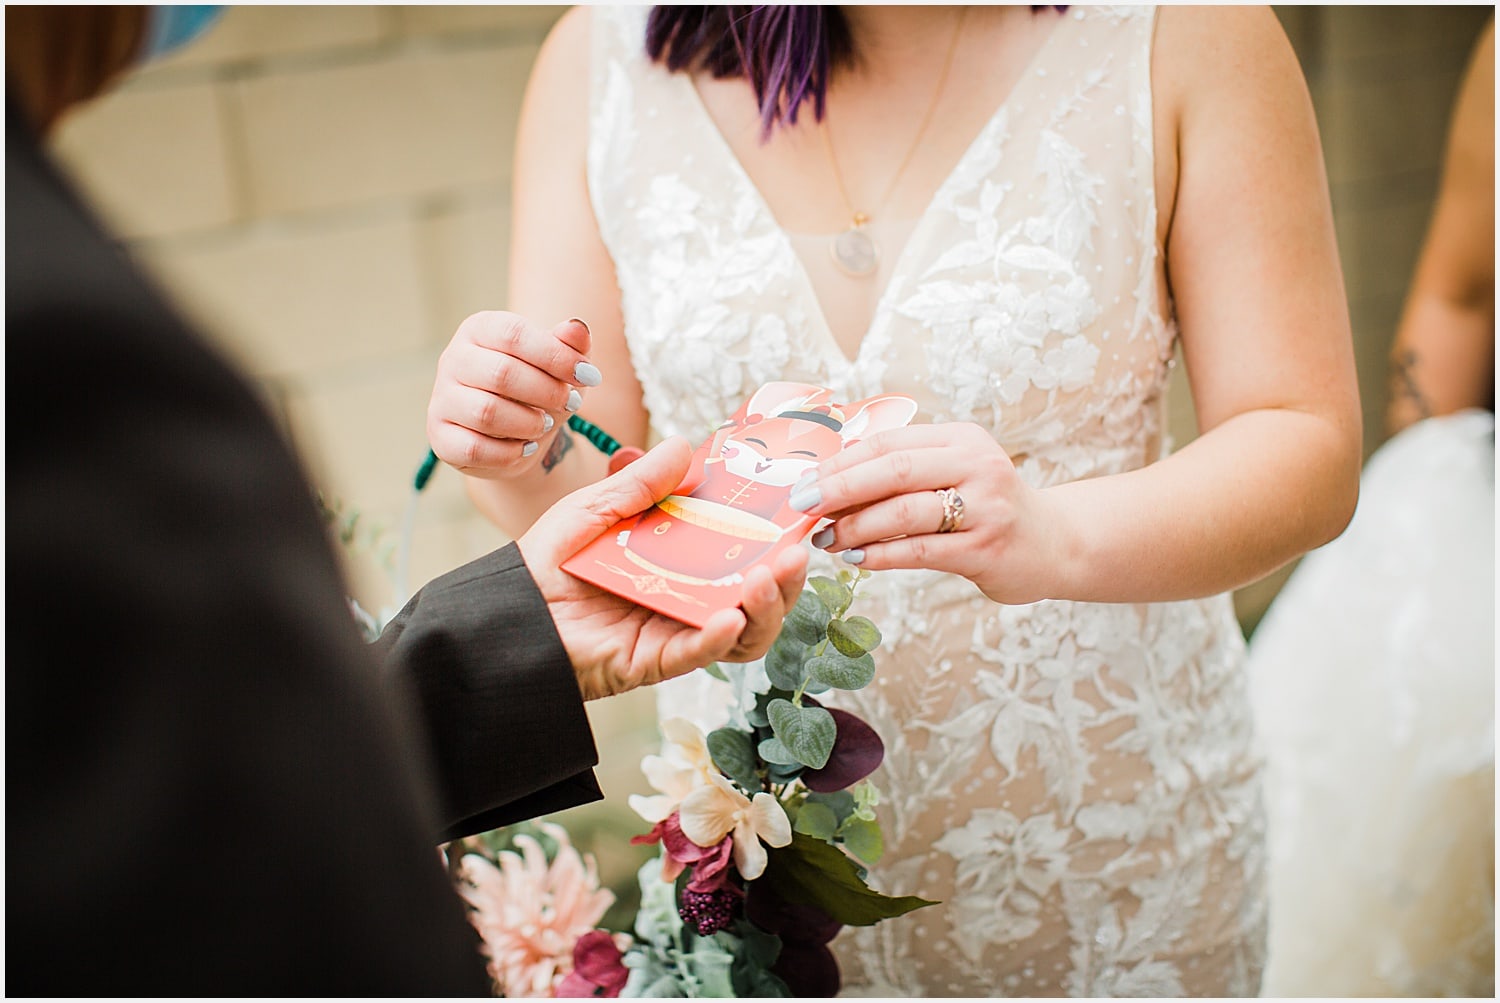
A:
[816,820]
[835,596]
[863,839]
[814,873]
[854,636]
[760,948]
[841,671]
[779,774]
[808,620]
[807,732]
[841,803]
[733,753]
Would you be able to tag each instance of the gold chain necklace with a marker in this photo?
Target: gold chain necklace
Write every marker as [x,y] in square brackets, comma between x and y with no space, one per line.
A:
[854,251]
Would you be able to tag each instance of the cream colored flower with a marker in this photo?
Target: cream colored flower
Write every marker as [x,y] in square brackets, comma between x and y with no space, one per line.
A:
[530,914]
[709,813]
[683,767]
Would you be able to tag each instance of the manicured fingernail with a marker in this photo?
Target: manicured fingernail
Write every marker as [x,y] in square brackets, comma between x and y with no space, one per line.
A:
[804,481]
[587,374]
[822,538]
[805,498]
[575,400]
[529,448]
[575,320]
[854,556]
[547,423]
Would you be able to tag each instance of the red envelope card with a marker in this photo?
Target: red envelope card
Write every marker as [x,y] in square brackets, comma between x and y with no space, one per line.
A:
[687,555]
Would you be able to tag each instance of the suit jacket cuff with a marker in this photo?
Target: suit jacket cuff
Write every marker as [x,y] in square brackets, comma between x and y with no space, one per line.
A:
[496,695]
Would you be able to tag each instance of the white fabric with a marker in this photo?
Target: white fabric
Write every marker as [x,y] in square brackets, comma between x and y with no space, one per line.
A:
[1373,675]
[1074,781]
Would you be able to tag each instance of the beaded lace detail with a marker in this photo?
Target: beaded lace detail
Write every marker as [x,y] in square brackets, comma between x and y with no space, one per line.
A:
[1074,781]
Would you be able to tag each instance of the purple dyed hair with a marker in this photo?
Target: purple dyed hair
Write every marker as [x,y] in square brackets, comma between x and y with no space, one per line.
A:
[787,52]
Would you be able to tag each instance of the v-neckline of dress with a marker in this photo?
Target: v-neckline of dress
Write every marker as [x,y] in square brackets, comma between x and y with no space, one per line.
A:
[877,326]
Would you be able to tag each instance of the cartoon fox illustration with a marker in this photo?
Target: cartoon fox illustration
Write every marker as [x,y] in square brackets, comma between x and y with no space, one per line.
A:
[732,511]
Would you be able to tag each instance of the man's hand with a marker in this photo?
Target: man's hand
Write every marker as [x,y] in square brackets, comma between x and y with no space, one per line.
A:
[616,645]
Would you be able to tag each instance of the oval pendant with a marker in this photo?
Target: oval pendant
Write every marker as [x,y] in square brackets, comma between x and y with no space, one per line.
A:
[854,252]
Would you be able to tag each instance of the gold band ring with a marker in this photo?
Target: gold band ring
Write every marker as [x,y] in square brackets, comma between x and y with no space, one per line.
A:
[953,510]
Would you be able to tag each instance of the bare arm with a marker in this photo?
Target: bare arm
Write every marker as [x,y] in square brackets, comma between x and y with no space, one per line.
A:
[1253,268]
[560,269]
[1443,358]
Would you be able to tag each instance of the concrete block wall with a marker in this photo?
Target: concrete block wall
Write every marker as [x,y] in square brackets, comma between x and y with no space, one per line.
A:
[326,189]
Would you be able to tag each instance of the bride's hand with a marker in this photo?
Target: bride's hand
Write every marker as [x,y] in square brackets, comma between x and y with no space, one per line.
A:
[885,497]
[503,385]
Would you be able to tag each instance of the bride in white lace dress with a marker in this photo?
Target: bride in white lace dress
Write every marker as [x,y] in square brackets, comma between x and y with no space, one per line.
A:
[1058,199]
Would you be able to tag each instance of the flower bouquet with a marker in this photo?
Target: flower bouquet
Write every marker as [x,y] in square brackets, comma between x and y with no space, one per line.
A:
[766,827]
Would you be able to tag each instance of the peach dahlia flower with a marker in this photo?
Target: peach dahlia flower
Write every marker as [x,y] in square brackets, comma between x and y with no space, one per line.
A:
[530,913]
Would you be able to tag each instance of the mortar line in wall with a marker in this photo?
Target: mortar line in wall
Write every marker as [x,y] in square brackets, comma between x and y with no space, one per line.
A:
[415,207]
[236,150]
[339,57]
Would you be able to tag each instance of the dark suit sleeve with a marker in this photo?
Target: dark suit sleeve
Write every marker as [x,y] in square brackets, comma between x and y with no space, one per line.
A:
[209,788]
[498,696]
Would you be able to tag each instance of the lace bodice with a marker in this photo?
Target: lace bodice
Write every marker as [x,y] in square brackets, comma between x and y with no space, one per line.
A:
[1072,779]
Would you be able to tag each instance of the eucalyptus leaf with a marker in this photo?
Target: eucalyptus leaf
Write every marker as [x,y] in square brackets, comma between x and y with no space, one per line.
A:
[757,715]
[733,753]
[835,595]
[715,670]
[854,636]
[863,839]
[807,621]
[816,820]
[777,773]
[807,732]
[841,671]
[773,751]
[784,662]
[814,873]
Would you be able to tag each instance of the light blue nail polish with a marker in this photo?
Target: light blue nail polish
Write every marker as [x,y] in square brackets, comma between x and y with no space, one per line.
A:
[575,400]
[547,423]
[854,556]
[822,538]
[805,480]
[805,498]
[529,448]
[587,374]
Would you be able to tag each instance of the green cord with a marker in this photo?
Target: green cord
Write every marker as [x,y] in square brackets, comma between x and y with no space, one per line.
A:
[424,472]
[600,439]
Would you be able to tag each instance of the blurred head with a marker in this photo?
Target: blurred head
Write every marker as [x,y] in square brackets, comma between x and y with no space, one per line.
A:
[59,57]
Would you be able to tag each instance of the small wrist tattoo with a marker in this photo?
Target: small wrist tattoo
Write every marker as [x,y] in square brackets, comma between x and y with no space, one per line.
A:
[1404,383]
[561,443]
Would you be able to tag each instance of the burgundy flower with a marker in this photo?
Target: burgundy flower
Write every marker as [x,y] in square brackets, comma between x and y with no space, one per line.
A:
[683,852]
[710,898]
[598,968]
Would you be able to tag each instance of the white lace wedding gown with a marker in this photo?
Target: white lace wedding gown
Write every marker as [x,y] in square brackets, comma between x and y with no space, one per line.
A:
[1373,674]
[1074,781]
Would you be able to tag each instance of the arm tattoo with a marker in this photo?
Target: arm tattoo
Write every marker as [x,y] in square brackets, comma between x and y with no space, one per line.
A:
[561,443]
[1404,384]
